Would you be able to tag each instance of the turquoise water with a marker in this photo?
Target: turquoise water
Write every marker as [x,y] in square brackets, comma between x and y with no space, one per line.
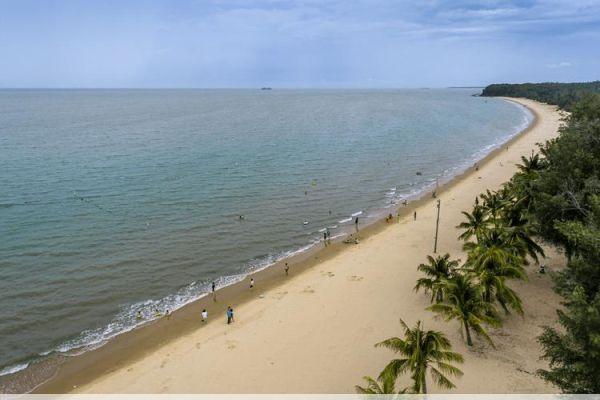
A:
[119,201]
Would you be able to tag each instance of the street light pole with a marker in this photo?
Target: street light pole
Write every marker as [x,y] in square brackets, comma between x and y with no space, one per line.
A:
[437,226]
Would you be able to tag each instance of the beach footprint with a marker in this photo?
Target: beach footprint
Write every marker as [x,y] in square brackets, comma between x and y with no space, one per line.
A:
[308,289]
[231,344]
[327,273]
[355,278]
[280,295]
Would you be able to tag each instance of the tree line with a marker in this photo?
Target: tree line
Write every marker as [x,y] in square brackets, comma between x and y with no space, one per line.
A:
[554,197]
[564,95]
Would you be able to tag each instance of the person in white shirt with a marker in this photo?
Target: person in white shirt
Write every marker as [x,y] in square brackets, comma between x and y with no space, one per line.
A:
[204,315]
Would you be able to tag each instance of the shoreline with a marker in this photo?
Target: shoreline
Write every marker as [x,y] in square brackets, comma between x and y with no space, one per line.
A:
[130,347]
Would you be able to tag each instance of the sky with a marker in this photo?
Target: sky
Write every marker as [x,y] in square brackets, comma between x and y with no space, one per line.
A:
[296,44]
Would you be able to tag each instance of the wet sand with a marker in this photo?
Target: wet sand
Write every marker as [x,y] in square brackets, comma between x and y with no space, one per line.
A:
[313,331]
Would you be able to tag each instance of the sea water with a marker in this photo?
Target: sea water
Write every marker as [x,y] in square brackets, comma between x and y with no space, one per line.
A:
[114,202]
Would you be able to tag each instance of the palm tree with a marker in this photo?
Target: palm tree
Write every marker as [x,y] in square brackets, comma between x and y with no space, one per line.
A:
[531,164]
[383,385]
[493,259]
[494,203]
[465,303]
[520,238]
[437,269]
[476,222]
[422,351]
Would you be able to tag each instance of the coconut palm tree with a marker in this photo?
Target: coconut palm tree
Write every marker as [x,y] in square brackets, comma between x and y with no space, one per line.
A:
[532,164]
[383,385]
[520,238]
[493,259]
[477,221]
[436,269]
[465,303]
[494,203]
[422,352]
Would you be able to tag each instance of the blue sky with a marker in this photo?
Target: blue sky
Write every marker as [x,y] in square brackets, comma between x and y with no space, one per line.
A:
[307,43]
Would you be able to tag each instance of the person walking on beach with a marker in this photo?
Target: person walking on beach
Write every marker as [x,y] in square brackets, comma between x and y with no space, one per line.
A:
[415,216]
[287,269]
[204,315]
[356,223]
[251,283]
[213,287]
[229,315]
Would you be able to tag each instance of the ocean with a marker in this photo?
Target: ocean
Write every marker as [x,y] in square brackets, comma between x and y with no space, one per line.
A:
[119,202]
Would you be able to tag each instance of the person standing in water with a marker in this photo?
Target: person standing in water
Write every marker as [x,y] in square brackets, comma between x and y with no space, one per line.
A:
[356,223]
[325,238]
[213,287]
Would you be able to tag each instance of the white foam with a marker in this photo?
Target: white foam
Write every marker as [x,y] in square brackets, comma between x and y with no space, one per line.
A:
[343,221]
[356,214]
[11,369]
[126,320]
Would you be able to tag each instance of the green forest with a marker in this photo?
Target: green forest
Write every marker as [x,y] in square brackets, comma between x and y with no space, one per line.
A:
[564,95]
[561,186]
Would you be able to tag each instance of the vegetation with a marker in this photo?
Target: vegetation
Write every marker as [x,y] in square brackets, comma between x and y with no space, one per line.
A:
[422,352]
[466,304]
[554,197]
[565,95]
[438,270]
[385,384]
[560,201]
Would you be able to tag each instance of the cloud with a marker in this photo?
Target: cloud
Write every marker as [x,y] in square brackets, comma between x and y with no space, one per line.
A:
[563,64]
[233,43]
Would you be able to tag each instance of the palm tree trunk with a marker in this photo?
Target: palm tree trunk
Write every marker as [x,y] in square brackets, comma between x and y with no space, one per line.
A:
[424,385]
[468,334]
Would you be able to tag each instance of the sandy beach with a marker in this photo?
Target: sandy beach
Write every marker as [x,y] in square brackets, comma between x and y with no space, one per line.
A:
[314,330]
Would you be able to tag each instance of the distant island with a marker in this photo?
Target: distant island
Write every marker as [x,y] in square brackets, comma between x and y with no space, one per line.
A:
[265,88]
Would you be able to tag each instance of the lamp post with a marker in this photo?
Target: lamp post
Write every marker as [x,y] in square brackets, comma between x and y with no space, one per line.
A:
[437,226]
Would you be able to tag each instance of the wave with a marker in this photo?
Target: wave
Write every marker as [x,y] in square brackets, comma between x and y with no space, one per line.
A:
[11,369]
[153,309]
